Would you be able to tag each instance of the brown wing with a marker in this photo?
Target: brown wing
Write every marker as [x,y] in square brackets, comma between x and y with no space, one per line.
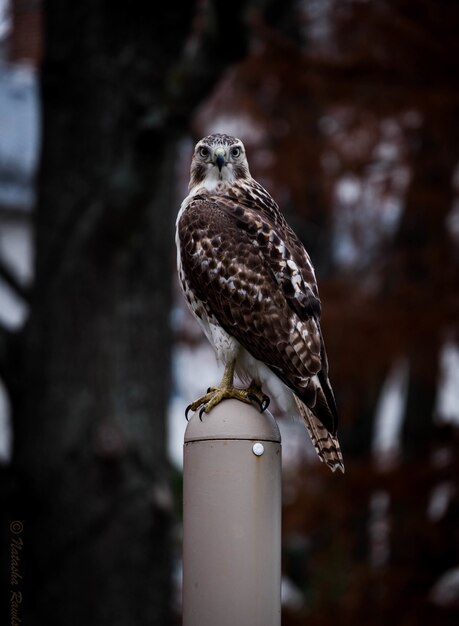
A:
[247,273]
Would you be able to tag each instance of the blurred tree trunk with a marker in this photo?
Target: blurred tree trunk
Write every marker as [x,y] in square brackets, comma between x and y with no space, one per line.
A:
[90,429]
[424,269]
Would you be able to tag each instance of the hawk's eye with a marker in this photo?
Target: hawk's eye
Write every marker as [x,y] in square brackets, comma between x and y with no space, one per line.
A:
[204,152]
[235,152]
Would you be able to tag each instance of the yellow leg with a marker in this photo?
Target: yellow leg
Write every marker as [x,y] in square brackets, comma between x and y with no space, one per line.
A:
[226,389]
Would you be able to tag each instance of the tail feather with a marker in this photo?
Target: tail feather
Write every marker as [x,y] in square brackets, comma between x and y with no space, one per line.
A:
[325,444]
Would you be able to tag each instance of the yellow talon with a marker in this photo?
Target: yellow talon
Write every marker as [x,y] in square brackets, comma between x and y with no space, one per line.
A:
[225,390]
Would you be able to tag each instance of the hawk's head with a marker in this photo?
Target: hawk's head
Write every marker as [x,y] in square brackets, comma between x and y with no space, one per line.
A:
[218,158]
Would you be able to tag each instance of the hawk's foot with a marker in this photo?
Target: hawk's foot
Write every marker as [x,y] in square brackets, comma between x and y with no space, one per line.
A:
[215,395]
[256,395]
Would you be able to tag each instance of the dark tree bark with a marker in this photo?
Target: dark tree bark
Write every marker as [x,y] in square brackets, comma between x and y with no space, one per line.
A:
[423,268]
[89,437]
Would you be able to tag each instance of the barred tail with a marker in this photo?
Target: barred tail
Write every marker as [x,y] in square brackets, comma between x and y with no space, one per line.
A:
[325,444]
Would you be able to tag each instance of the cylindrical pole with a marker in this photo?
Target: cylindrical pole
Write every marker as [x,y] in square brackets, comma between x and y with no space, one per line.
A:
[232,518]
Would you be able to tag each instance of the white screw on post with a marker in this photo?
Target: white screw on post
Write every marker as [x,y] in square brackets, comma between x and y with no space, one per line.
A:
[232,518]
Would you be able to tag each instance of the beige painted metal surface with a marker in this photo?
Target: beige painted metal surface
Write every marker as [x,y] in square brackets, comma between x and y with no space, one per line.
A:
[232,518]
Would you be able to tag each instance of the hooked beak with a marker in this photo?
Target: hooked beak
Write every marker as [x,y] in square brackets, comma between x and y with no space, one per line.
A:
[219,158]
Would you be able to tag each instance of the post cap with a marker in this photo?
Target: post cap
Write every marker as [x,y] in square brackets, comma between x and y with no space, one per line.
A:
[233,419]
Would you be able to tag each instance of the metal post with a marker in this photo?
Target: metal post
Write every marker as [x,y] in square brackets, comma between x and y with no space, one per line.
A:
[232,518]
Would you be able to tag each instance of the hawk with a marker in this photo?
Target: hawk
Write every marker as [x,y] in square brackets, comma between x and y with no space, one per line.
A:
[250,283]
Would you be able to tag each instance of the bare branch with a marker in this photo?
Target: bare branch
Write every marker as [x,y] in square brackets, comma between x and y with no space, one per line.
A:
[13,281]
[194,75]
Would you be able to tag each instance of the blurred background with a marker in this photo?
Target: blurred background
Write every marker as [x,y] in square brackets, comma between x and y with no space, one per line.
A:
[349,112]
